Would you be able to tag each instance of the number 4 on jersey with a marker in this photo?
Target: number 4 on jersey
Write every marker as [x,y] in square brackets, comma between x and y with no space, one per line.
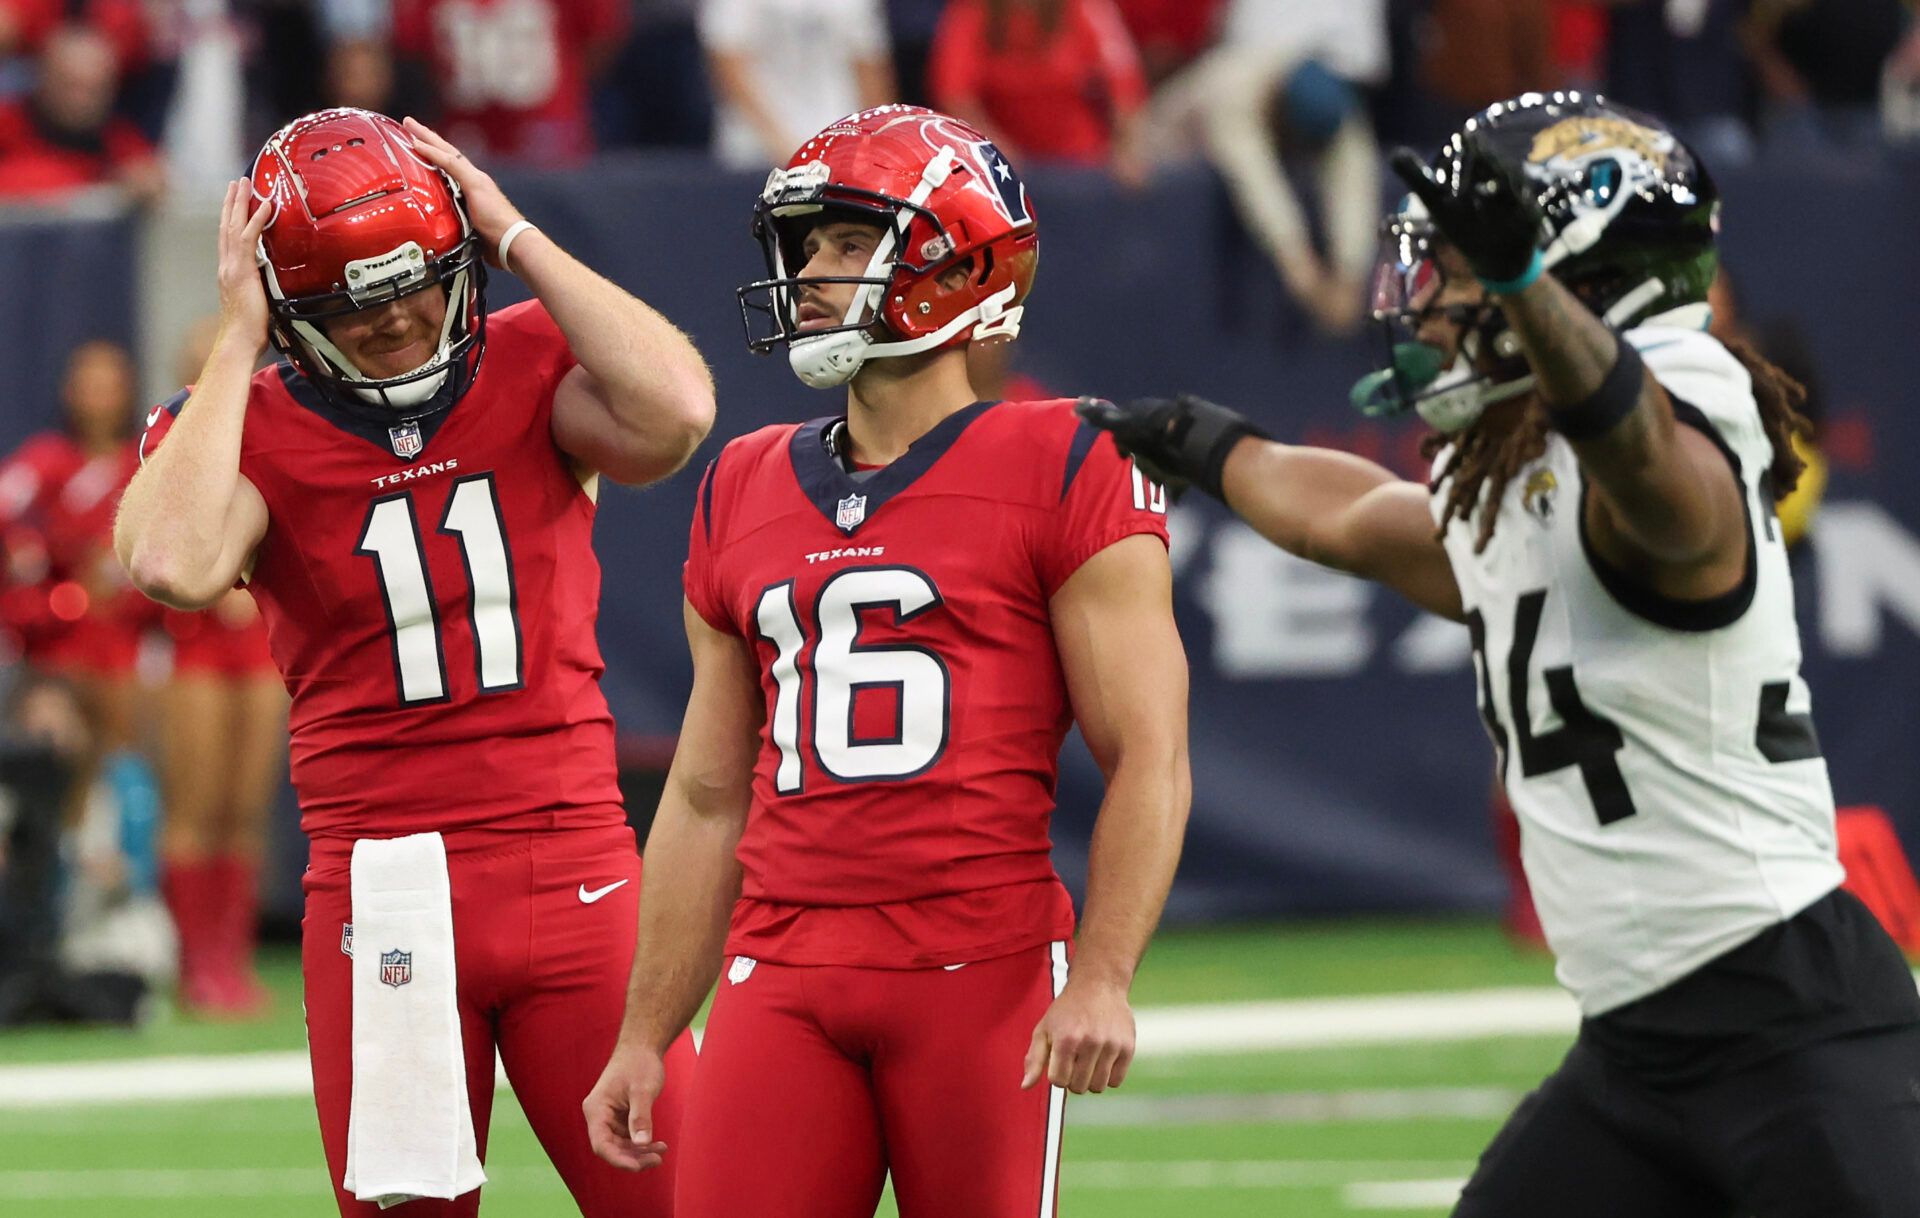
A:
[391,537]
[1588,740]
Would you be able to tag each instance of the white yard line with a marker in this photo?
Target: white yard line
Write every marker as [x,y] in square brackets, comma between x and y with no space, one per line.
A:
[1210,1174]
[1360,1179]
[141,1080]
[1165,1032]
[1295,1107]
[1318,1023]
[1402,1194]
[145,1183]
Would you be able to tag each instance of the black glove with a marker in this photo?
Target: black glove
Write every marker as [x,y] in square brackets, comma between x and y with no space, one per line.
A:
[1481,205]
[1175,441]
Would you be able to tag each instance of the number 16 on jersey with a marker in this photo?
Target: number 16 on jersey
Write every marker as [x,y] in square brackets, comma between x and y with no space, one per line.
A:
[837,668]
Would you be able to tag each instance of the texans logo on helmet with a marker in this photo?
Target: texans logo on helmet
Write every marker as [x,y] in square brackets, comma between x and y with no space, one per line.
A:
[992,170]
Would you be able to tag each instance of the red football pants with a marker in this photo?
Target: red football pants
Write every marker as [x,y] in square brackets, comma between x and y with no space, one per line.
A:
[815,1082]
[542,976]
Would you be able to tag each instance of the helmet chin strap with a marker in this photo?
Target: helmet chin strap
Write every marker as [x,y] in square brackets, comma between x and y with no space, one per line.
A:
[1455,398]
[828,360]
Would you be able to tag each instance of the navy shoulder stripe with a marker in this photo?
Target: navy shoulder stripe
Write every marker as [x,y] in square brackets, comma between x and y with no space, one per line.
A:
[171,408]
[706,497]
[1084,437]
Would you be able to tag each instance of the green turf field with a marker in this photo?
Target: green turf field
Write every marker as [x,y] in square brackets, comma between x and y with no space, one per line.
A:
[1307,1133]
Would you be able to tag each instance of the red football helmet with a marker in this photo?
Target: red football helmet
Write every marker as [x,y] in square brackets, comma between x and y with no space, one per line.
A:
[361,219]
[945,196]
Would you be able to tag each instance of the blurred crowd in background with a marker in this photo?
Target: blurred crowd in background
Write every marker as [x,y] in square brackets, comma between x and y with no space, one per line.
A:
[158,103]
[1289,99]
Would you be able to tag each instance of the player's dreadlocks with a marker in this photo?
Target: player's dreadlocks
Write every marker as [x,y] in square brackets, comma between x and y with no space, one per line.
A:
[1511,434]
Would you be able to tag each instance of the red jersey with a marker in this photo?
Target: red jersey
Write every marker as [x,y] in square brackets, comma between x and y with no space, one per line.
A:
[512,73]
[433,613]
[35,161]
[1055,94]
[915,698]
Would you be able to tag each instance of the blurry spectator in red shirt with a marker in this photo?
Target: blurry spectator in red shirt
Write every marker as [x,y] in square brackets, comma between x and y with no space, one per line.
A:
[64,136]
[26,25]
[1047,80]
[513,76]
[1170,33]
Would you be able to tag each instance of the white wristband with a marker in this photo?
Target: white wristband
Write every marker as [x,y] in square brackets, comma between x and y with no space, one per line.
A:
[506,239]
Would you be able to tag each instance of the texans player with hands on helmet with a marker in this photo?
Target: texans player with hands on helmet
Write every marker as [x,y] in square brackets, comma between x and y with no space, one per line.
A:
[895,613]
[1601,517]
[409,496]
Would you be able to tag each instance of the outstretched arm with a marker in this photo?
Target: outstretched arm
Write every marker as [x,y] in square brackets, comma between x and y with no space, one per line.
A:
[692,880]
[1127,677]
[1665,504]
[1663,493]
[641,399]
[1329,507]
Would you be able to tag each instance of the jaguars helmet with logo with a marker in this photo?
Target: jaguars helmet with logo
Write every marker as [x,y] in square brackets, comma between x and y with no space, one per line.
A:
[1629,222]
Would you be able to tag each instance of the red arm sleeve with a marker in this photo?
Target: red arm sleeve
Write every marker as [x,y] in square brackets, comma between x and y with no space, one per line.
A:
[1104,498]
[697,576]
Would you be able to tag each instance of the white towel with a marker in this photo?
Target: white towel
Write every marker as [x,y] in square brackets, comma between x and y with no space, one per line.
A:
[409,1130]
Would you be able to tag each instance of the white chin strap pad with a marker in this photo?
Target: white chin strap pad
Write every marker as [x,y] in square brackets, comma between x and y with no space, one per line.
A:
[1461,395]
[413,393]
[823,361]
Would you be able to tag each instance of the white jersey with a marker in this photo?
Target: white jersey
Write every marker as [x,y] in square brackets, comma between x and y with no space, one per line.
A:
[1660,754]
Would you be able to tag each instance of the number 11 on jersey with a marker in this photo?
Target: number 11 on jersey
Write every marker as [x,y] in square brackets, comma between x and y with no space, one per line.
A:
[391,538]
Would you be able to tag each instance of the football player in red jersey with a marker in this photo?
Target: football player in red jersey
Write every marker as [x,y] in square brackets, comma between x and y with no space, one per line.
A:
[414,522]
[895,613]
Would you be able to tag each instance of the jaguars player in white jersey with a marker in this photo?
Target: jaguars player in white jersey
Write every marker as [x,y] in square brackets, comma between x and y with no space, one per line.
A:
[1600,515]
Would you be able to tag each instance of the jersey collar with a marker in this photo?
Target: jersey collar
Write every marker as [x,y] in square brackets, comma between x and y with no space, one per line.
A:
[846,503]
[394,440]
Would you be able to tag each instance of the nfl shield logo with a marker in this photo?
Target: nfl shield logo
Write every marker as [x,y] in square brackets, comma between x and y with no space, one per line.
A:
[396,968]
[852,510]
[346,938]
[406,440]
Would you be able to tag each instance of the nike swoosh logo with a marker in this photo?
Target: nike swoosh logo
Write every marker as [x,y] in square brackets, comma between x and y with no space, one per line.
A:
[153,416]
[589,895]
